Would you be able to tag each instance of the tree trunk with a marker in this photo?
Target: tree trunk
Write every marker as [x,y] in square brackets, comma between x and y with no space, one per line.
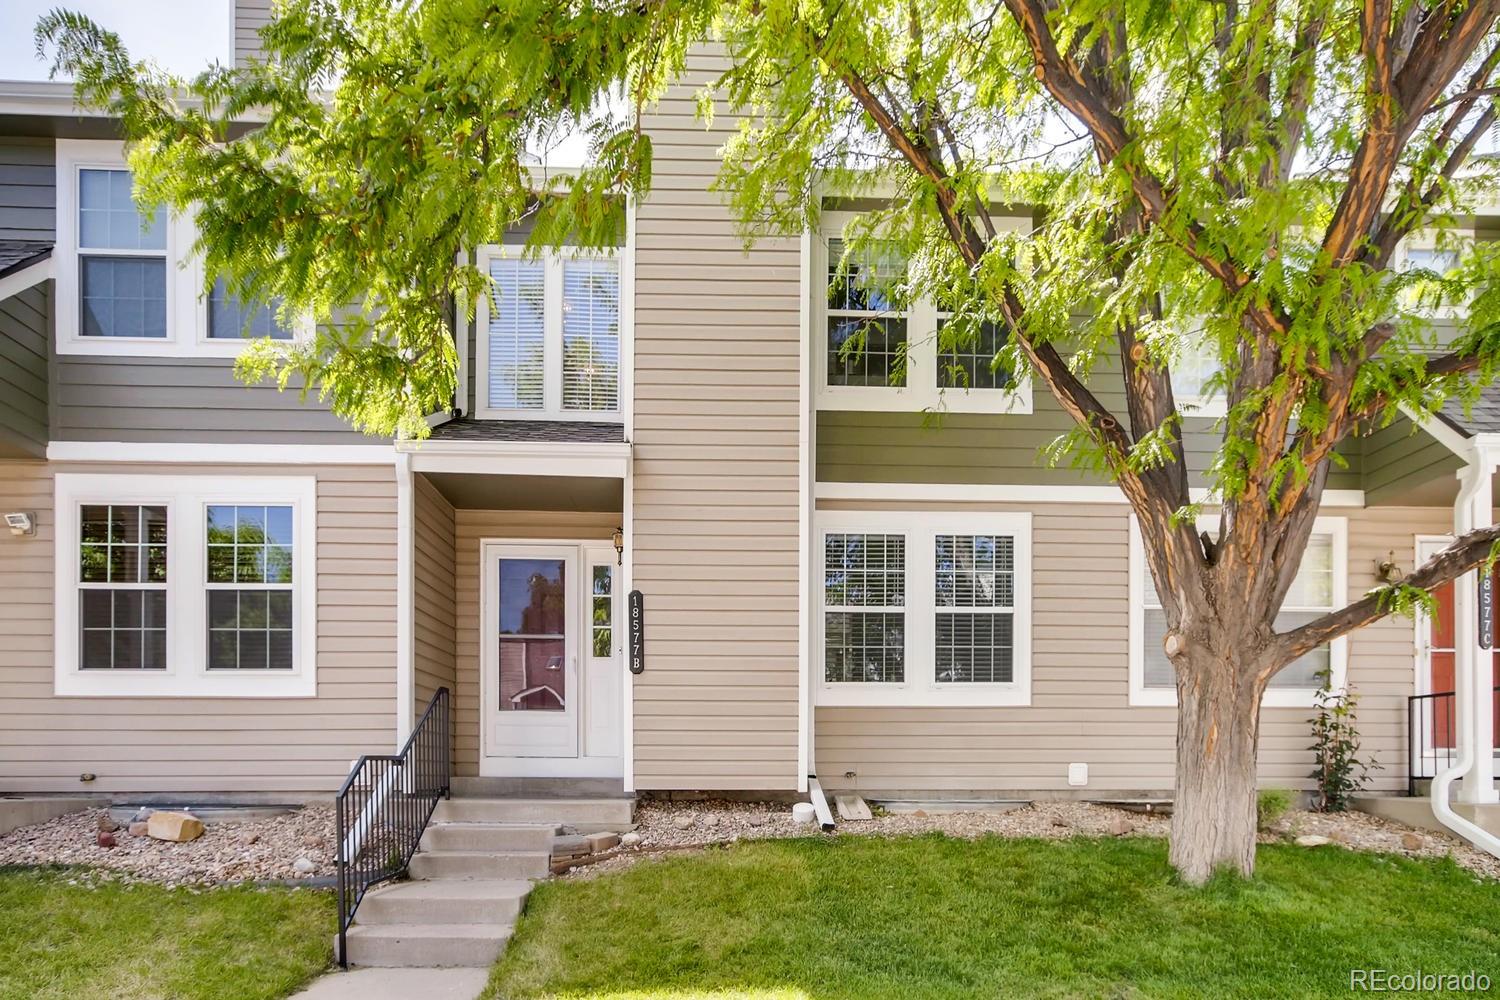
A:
[1218,726]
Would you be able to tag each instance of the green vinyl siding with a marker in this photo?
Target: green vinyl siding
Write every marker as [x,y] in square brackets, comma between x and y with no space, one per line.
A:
[1400,459]
[980,449]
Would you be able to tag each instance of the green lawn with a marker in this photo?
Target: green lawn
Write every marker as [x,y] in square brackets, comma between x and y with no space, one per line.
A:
[98,939]
[934,917]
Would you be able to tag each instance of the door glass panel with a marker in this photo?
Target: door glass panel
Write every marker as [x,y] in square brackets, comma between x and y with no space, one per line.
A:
[533,637]
[602,614]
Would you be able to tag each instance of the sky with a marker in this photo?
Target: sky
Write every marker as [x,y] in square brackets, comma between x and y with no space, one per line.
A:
[199,32]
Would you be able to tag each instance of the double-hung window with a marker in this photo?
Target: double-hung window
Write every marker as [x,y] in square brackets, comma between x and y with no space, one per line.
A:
[880,348]
[925,609]
[122,259]
[194,586]
[1319,587]
[548,336]
[1193,368]
[127,282]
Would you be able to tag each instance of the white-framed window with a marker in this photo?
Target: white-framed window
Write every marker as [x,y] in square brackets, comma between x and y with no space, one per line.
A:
[1321,586]
[1192,369]
[549,335]
[186,586]
[875,351]
[1421,250]
[923,608]
[129,285]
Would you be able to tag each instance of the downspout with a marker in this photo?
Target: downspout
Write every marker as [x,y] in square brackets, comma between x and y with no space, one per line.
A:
[1465,708]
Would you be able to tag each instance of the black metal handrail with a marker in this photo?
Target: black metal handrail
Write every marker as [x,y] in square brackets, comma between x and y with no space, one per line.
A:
[384,806]
[1431,740]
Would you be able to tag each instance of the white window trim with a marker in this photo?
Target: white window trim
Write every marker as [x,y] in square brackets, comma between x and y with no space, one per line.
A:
[920,392]
[1458,241]
[920,688]
[552,337]
[187,307]
[187,674]
[1338,651]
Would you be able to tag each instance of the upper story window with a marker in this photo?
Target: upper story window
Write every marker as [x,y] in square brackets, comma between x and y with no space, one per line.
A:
[549,336]
[876,349]
[1193,369]
[925,609]
[1319,587]
[130,284]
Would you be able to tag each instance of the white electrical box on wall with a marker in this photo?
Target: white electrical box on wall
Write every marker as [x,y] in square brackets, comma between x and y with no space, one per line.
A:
[1078,774]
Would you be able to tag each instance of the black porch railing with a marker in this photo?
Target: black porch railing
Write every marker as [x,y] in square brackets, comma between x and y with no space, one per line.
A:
[1431,735]
[384,806]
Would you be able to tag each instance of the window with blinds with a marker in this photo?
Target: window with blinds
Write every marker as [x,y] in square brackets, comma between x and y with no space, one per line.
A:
[551,336]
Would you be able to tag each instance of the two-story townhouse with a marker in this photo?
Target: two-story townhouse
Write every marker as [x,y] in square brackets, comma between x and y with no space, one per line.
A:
[215,589]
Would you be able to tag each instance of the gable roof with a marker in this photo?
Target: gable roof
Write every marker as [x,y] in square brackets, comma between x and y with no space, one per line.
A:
[1483,417]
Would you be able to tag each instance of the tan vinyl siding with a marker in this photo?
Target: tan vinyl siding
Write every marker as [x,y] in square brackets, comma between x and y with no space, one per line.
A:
[471,527]
[434,595]
[291,746]
[715,475]
[1080,709]
[249,17]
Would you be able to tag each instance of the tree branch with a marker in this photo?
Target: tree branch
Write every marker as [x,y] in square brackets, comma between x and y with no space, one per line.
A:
[1463,555]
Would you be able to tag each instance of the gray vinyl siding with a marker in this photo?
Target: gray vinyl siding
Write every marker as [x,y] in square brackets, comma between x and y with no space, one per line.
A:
[28,189]
[434,598]
[184,400]
[249,17]
[715,517]
[291,747]
[1080,710]
[25,322]
[1401,458]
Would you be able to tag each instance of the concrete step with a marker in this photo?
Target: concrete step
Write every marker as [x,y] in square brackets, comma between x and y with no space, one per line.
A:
[604,813]
[479,864]
[488,837]
[538,788]
[427,945]
[445,901]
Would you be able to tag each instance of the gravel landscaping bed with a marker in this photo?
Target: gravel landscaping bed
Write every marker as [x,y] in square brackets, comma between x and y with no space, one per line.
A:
[668,826]
[253,850]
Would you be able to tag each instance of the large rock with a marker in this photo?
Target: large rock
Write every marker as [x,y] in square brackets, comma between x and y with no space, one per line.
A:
[177,827]
[1313,840]
[600,842]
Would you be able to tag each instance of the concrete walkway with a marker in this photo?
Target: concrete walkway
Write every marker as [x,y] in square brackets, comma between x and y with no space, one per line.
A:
[398,984]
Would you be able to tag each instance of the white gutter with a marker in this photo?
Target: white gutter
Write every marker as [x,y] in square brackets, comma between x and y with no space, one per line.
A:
[1466,709]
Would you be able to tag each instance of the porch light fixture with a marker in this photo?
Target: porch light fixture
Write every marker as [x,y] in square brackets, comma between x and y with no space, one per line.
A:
[21,523]
[619,539]
[1386,570]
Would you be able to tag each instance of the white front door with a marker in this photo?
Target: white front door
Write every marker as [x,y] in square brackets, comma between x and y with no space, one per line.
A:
[551,697]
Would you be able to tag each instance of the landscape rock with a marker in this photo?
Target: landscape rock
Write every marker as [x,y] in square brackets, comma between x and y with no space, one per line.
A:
[1120,826]
[757,819]
[107,825]
[1341,837]
[711,820]
[223,854]
[631,839]
[313,840]
[304,866]
[105,838]
[600,842]
[177,827]
[141,815]
[683,821]
[138,829]
[1312,840]
[1412,841]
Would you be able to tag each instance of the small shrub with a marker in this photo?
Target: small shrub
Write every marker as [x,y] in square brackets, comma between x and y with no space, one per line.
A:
[1270,805]
[1339,770]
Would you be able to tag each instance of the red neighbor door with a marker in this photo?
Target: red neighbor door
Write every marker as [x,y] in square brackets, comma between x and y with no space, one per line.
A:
[1437,673]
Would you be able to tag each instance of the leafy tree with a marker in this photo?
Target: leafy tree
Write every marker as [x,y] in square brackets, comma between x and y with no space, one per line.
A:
[1231,177]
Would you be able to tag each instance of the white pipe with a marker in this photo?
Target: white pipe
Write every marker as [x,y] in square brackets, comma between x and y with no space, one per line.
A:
[1464,706]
